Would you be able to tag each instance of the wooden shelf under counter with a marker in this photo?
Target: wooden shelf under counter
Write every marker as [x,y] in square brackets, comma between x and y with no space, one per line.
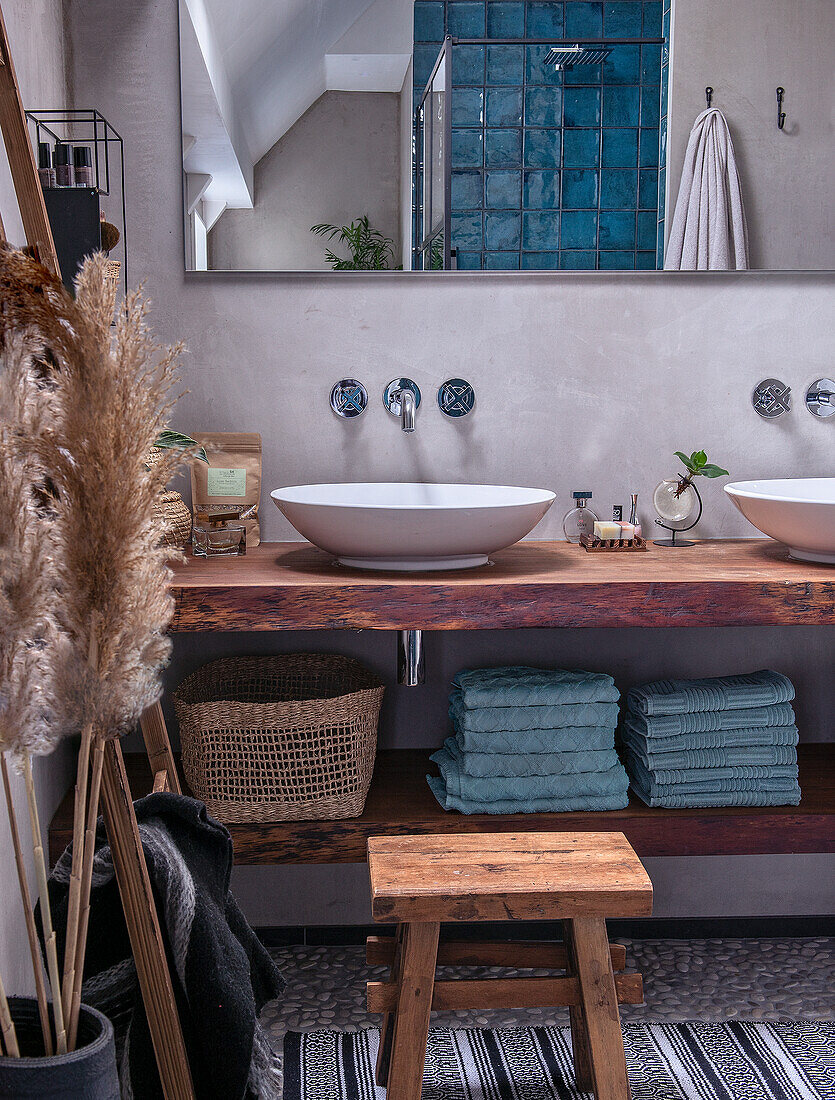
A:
[294,586]
[400,802]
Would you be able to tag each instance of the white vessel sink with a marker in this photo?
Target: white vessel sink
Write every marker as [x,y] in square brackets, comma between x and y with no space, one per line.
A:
[412,527]
[797,511]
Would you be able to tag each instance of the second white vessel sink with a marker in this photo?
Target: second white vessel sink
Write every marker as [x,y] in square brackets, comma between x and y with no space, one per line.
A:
[799,512]
[412,527]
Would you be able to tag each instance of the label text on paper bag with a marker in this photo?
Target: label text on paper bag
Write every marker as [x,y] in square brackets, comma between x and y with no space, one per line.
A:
[226,482]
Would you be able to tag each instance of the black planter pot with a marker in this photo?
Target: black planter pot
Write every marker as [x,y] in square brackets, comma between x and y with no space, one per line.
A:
[88,1073]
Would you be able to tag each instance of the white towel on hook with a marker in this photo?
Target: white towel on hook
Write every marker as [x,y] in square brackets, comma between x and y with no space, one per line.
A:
[709,231]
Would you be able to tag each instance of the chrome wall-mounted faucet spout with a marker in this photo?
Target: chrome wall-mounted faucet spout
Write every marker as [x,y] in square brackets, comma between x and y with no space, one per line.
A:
[402,398]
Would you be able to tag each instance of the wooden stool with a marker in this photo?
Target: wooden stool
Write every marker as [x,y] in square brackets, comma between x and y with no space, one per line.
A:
[580,878]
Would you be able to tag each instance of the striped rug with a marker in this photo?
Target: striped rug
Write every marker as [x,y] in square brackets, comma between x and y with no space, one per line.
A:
[686,1061]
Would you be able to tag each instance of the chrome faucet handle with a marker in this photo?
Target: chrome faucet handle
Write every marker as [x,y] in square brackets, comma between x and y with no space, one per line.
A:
[772,398]
[456,397]
[349,398]
[402,398]
[820,398]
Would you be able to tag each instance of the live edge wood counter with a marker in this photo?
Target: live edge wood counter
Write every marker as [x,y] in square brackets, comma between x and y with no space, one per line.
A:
[294,586]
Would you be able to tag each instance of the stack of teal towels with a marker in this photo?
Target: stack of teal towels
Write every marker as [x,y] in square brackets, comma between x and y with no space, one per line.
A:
[530,740]
[726,741]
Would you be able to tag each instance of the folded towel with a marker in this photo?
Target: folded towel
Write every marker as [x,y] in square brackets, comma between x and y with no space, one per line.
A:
[709,778]
[707,758]
[525,788]
[718,798]
[536,741]
[556,716]
[672,725]
[617,801]
[489,764]
[756,689]
[520,686]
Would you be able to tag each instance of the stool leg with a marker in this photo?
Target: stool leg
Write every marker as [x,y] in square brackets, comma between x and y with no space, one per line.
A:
[579,1032]
[414,1003]
[599,1002]
[387,1025]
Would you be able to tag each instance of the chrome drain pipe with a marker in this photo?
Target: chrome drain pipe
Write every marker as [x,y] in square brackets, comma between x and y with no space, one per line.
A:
[410,666]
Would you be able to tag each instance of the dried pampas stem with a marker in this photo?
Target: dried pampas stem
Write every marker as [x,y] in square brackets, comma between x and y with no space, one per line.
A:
[74,899]
[7,1028]
[29,916]
[46,911]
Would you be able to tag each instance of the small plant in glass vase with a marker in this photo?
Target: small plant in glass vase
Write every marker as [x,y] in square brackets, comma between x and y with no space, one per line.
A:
[676,498]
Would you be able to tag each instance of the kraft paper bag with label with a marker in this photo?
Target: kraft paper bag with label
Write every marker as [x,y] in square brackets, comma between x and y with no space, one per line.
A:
[232,479]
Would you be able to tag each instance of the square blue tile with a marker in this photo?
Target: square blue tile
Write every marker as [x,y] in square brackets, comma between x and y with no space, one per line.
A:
[504,107]
[466,190]
[648,189]
[662,148]
[505,64]
[622,20]
[583,74]
[467,107]
[541,230]
[621,106]
[617,261]
[578,229]
[429,21]
[645,261]
[465,230]
[468,65]
[466,19]
[581,106]
[647,229]
[536,70]
[505,20]
[662,192]
[501,261]
[620,148]
[653,17]
[543,106]
[542,149]
[502,148]
[545,19]
[581,148]
[623,65]
[541,190]
[540,261]
[650,64]
[467,148]
[503,190]
[502,229]
[649,148]
[617,229]
[650,105]
[619,189]
[424,59]
[578,261]
[664,95]
[579,188]
[665,26]
[468,261]
[583,20]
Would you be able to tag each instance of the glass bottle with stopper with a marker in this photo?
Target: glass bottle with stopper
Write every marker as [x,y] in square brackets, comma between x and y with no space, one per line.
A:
[580,520]
[217,535]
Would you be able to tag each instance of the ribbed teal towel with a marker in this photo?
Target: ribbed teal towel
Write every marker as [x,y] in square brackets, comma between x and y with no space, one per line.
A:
[478,789]
[520,686]
[489,764]
[536,741]
[718,798]
[617,801]
[756,689]
[559,716]
[728,756]
[747,778]
[673,725]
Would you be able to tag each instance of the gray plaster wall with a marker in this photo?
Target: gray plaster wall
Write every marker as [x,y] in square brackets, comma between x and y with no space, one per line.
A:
[341,160]
[582,381]
[787,177]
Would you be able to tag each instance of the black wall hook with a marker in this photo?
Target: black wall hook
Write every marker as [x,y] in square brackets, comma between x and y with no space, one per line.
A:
[708,96]
[781,114]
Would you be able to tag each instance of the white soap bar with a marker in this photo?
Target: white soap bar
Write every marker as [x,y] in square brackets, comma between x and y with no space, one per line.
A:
[627,531]
[606,529]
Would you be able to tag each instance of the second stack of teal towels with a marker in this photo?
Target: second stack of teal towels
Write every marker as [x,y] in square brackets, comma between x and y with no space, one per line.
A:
[531,740]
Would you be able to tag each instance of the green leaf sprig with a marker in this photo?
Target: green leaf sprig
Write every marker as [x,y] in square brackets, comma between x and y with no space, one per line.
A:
[697,465]
[170,440]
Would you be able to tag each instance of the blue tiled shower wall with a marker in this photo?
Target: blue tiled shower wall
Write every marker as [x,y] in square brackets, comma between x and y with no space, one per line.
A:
[552,169]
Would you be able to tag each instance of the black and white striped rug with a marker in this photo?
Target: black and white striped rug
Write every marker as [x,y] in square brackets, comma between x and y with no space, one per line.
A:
[687,1061]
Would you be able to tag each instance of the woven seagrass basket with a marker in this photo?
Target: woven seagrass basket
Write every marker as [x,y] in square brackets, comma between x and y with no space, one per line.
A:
[286,738]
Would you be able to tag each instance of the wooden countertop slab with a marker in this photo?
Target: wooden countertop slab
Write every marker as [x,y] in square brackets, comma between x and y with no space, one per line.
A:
[286,586]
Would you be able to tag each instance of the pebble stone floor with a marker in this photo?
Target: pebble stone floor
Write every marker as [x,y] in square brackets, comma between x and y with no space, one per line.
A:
[708,979]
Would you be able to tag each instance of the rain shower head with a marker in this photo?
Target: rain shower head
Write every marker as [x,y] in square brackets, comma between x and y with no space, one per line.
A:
[566,57]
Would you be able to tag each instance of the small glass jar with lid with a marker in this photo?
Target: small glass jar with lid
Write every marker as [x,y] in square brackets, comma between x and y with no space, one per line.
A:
[580,520]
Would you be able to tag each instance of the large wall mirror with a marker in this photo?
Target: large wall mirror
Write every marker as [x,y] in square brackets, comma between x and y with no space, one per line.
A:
[504,135]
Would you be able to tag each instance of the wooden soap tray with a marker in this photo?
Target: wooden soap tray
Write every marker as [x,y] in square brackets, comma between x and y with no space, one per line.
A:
[595,545]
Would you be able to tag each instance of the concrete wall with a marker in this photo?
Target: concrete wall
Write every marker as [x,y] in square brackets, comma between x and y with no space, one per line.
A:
[582,381]
[36,37]
[786,176]
[341,160]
